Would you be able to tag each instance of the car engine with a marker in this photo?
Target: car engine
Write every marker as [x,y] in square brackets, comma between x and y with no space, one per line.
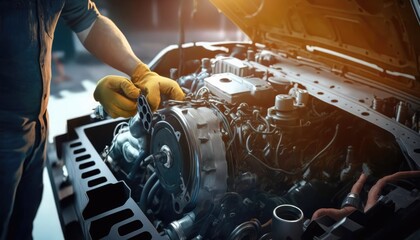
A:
[261,129]
[309,130]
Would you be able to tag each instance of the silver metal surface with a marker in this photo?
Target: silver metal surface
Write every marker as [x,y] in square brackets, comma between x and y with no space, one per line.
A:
[234,89]
[346,93]
[169,159]
[287,222]
[207,169]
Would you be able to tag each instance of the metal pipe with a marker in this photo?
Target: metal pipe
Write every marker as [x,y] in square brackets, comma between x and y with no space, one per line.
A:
[287,222]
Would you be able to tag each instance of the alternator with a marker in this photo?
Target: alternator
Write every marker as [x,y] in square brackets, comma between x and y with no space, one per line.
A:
[196,164]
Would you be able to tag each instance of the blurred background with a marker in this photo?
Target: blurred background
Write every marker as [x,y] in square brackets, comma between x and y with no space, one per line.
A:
[150,26]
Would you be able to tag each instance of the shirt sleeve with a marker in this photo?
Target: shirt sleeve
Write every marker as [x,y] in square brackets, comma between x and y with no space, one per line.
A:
[79,14]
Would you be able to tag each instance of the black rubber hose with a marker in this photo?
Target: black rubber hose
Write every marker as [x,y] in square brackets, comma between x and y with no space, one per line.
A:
[136,165]
[149,184]
[152,192]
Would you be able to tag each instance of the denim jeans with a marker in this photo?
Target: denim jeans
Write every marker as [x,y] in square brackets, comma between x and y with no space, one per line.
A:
[22,159]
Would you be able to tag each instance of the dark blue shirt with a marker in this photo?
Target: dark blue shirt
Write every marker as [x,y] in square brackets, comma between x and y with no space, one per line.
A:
[26,35]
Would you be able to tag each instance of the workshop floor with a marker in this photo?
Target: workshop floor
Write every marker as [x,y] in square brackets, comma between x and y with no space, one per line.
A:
[73,98]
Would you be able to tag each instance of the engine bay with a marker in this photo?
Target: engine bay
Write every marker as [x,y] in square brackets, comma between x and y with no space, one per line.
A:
[258,129]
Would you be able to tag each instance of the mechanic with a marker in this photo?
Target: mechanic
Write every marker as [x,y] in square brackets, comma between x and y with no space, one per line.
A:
[27,30]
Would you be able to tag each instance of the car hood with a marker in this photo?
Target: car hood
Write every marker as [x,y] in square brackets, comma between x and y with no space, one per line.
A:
[385,33]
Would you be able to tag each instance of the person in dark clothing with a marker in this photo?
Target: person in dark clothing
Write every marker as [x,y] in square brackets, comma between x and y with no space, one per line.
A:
[63,50]
[27,31]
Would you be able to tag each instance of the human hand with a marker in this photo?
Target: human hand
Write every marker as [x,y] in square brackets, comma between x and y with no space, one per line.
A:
[373,195]
[118,96]
[346,209]
[152,84]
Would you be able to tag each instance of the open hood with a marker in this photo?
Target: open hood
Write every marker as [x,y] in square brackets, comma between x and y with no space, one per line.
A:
[385,33]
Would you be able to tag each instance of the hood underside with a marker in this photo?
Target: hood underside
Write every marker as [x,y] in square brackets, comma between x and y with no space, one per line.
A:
[383,32]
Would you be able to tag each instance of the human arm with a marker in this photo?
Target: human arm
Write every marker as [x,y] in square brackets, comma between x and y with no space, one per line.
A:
[104,40]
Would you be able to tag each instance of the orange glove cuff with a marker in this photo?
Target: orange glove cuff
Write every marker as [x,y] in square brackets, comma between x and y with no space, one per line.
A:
[153,85]
[140,72]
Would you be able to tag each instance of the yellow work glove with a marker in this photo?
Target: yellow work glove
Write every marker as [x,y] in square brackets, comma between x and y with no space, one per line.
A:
[152,85]
[118,96]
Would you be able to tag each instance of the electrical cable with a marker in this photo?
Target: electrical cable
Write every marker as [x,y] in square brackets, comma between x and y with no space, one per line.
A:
[302,169]
[323,150]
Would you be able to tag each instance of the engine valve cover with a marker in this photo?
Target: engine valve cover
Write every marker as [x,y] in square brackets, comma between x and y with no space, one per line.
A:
[233,89]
